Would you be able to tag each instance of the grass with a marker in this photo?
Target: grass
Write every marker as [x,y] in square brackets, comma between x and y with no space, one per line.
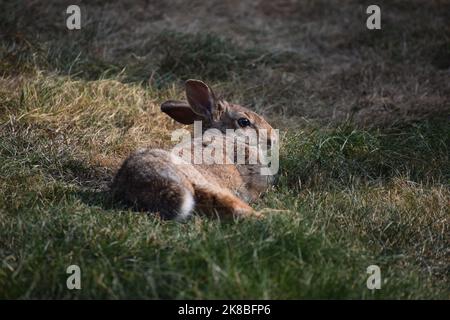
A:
[351,192]
[419,152]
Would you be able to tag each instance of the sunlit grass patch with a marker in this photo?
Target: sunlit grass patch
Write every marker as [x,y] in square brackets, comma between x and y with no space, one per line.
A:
[104,117]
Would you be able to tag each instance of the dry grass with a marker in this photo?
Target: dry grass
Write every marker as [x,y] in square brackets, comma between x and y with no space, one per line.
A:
[333,67]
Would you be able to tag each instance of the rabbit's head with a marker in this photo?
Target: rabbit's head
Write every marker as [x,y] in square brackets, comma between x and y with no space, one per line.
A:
[202,105]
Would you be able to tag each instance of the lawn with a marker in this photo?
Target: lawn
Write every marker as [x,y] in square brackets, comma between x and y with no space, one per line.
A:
[364,162]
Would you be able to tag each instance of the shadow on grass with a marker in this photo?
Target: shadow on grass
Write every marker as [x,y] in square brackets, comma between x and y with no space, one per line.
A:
[102,199]
[175,56]
[161,59]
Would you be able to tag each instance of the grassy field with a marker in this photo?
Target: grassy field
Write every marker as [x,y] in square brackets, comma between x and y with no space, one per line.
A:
[364,119]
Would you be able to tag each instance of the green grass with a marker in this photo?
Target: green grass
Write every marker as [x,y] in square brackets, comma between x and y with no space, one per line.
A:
[132,256]
[357,186]
[419,151]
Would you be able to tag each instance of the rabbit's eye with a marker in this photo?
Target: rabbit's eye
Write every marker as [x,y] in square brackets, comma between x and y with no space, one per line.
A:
[243,122]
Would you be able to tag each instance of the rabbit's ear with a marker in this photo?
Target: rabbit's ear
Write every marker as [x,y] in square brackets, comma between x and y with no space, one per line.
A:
[180,111]
[201,98]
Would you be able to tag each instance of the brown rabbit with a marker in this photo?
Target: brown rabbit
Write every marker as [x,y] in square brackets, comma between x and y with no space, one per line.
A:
[161,181]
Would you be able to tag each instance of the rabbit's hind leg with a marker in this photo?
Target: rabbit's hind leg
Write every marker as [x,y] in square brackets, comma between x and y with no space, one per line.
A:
[170,198]
[149,182]
[212,200]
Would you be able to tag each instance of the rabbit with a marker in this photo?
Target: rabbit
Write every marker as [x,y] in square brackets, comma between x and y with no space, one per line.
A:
[161,181]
